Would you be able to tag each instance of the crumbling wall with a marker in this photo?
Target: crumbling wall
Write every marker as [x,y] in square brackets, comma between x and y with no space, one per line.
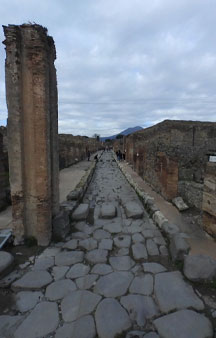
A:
[31,94]
[171,156]
[4,171]
[74,148]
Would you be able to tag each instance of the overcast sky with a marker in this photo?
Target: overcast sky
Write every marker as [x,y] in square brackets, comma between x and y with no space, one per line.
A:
[124,63]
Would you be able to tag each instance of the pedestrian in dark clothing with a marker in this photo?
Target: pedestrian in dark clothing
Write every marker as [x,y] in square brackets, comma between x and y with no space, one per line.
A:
[88,155]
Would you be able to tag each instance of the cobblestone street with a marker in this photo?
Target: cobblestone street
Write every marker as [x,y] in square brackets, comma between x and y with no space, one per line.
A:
[111,278]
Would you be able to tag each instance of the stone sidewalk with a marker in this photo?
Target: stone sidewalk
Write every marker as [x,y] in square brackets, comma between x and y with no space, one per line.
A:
[200,242]
[111,278]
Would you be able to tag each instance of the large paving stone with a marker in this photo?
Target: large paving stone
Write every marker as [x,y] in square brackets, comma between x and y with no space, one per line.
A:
[6,259]
[114,285]
[121,263]
[81,328]
[133,210]
[114,227]
[142,285]
[172,293]
[69,258]
[97,256]
[139,308]
[33,280]
[81,212]
[153,267]
[88,244]
[111,319]
[86,282]
[122,241]
[77,304]
[101,234]
[71,245]
[59,289]
[152,248]
[26,300]
[137,238]
[102,269]
[106,244]
[59,272]
[108,210]
[199,268]
[43,320]
[78,270]
[139,251]
[184,324]
[8,324]
[83,227]
[43,263]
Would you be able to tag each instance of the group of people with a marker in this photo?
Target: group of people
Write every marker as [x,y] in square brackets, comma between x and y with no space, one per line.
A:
[120,155]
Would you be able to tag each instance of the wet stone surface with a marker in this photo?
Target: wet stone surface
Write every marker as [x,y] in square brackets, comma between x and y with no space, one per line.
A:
[112,277]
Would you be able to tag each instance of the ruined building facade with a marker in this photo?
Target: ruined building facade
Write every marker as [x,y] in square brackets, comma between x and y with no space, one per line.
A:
[173,157]
[31,94]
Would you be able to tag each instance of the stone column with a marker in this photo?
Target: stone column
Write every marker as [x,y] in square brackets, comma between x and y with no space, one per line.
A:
[31,93]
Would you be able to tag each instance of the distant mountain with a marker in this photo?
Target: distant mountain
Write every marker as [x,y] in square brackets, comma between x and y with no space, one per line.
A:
[124,132]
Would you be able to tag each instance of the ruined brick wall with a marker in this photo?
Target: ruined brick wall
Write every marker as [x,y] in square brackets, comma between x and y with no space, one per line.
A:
[209,199]
[172,157]
[74,148]
[4,171]
[31,94]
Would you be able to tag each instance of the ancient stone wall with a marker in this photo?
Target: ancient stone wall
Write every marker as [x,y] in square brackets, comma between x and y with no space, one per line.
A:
[172,157]
[4,171]
[74,148]
[209,199]
[31,94]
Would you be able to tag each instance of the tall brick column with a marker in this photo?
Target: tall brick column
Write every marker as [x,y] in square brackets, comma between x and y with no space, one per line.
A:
[31,93]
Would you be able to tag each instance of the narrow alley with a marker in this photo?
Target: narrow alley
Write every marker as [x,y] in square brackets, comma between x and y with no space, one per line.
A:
[111,278]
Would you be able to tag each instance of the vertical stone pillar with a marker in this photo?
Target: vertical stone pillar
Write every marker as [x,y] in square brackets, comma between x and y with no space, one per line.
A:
[31,93]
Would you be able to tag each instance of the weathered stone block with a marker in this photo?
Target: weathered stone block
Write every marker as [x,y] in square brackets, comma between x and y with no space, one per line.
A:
[81,212]
[61,225]
[178,247]
[200,268]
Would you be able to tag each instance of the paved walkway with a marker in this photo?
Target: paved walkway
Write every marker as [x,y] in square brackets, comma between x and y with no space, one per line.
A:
[111,278]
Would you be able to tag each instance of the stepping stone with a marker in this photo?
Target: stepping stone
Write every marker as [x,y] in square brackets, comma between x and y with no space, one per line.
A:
[142,284]
[88,244]
[111,319]
[153,267]
[97,256]
[77,304]
[8,324]
[200,268]
[69,258]
[71,245]
[59,289]
[113,228]
[6,259]
[163,250]
[139,308]
[81,212]
[121,263]
[172,293]
[43,263]
[81,328]
[78,270]
[179,247]
[44,319]
[184,324]
[86,282]
[122,241]
[26,300]
[137,238]
[139,251]
[152,248]
[33,280]
[101,234]
[133,210]
[59,272]
[114,285]
[106,244]
[108,210]
[102,269]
